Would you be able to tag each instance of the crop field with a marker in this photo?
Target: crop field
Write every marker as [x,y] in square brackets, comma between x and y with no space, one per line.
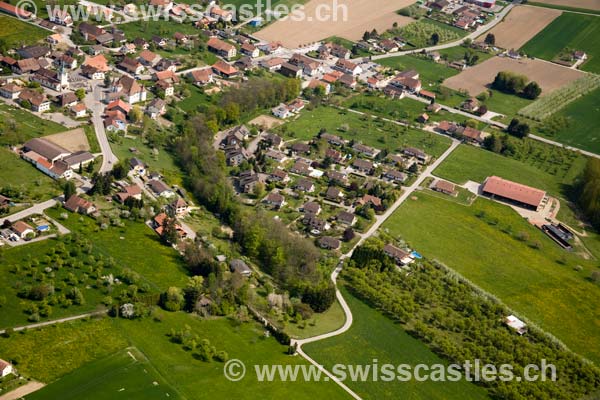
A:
[374,336]
[126,374]
[496,249]
[372,132]
[16,32]
[361,16]
[582,129]
[549,76]
[549,105]
[569,31]
[520,25]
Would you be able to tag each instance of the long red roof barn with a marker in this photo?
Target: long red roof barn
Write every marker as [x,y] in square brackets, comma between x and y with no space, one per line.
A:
[527,195]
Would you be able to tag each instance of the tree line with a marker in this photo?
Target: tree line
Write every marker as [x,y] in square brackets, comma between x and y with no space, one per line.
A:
[588,192]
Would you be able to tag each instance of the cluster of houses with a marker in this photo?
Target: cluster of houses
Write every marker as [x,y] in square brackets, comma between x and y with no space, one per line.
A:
[467,15]
[297,171]
[53,159]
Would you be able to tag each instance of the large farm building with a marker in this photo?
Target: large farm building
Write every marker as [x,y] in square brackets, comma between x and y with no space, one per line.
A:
[512,192]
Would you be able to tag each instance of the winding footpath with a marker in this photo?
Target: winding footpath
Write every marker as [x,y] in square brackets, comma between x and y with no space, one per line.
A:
[380,219]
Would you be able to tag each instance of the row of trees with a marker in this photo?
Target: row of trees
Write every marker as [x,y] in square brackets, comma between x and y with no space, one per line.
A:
[460,323]
[588,192]
[512,83]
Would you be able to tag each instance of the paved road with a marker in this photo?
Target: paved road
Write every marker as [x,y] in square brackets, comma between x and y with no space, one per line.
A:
[380,219]
[35,209]
[473,35]
[94,103]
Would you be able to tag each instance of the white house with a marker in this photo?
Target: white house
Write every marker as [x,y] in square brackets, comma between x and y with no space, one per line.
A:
[281,111]
[5,368]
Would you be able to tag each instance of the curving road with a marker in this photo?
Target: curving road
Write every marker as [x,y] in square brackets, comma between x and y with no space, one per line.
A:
[93,102]
[380,219]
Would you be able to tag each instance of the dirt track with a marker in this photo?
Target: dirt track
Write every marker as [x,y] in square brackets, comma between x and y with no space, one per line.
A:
[362,15]
[521,24]
[549,76]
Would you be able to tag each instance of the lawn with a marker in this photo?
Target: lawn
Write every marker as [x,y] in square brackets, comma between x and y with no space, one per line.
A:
[375,133]
[16,32]
[327,321]
[23,178]
[196,99]
[126,374]
[470,163]
[374,336]
[569,30]
[480,242]
[506,104]
[582,130]
[18,126]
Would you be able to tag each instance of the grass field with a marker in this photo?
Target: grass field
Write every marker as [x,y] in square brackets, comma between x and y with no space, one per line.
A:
[18,126]
[373,336]
[81,350]
[327,321]
[196,379]
[126,374]
[469,163]
[574,31]
[379,134]
[16,32]
[49,353]
[404,109]
[582,130]
[530,281]
[32,184]
[134,246]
